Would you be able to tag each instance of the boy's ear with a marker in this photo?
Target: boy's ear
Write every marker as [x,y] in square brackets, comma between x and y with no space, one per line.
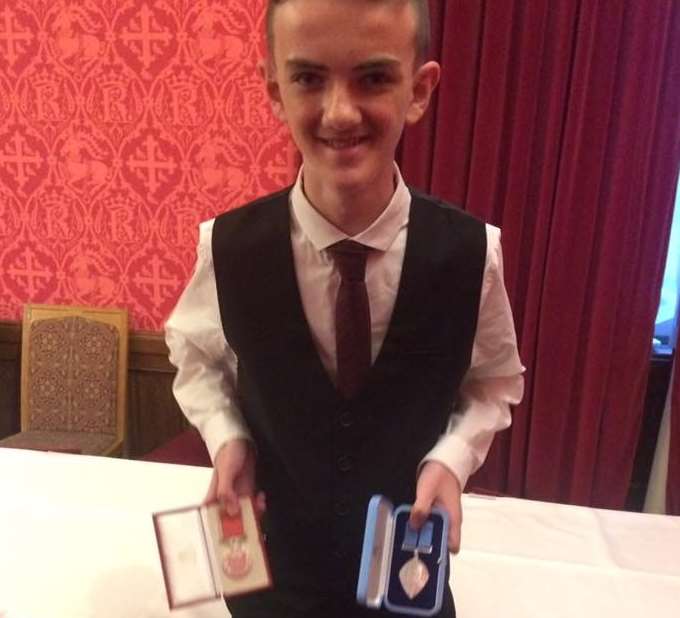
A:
[425,81]
[268,73]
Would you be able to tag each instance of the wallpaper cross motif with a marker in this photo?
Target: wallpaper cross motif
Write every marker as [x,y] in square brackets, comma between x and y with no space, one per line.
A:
[123,123]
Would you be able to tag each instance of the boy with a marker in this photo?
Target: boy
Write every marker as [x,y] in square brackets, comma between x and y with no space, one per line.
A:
[311,390]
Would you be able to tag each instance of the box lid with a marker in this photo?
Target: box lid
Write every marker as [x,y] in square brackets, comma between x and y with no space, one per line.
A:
[376,552]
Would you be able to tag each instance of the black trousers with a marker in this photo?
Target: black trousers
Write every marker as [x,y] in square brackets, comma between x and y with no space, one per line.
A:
[291,604]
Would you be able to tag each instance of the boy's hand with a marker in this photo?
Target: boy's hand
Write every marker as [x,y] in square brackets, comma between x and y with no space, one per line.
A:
[234,476]
[436,483]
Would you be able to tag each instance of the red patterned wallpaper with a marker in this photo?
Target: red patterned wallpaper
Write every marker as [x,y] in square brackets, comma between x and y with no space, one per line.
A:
[123,123]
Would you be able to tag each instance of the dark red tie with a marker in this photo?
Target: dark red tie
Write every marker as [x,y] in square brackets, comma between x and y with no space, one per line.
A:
[352,316]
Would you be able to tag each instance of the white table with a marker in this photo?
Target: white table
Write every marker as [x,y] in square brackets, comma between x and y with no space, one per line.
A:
[77,541]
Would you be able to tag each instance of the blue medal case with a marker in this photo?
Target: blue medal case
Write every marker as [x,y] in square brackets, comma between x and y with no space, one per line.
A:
[387,539]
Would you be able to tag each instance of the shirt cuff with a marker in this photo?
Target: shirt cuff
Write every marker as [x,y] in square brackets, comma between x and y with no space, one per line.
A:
[218,430]
[456,455]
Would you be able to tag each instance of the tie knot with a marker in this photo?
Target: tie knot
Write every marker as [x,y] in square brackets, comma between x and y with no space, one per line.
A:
[350,257]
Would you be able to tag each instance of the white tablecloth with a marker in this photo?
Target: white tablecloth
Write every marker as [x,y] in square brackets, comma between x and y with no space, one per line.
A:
[77,541]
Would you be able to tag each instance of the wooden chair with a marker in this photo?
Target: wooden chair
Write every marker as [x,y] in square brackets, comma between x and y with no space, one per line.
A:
[73,380]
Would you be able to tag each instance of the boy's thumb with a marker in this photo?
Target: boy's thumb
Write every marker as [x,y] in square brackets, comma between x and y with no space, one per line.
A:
[420,510]
[226,495]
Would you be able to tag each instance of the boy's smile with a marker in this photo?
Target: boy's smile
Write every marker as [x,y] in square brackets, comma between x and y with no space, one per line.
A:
[343,77]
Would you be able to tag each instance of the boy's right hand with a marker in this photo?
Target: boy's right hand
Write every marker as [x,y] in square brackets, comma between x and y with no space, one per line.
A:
[234,476]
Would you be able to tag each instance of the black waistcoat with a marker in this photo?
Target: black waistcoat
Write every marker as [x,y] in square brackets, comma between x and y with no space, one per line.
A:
[320,456]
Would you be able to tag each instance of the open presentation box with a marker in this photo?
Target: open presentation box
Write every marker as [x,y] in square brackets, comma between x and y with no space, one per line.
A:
[403,570]
[205,554]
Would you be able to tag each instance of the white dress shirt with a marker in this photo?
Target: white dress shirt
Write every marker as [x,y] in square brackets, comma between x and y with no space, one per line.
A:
[205,384]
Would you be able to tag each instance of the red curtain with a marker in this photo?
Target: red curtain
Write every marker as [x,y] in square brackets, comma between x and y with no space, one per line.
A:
[557,120]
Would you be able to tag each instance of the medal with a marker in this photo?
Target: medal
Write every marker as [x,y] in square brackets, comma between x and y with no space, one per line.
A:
[414,574]
[236,561]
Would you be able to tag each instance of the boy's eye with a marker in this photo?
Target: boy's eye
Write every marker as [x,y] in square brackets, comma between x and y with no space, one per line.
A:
[307,79]
[375,80]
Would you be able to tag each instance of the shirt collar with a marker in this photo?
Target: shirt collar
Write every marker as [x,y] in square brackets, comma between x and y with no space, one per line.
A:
[379,235]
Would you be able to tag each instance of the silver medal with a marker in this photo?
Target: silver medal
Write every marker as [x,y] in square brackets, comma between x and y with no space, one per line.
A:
[414,576]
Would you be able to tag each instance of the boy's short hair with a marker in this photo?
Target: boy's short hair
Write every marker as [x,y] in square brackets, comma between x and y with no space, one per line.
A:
[421,8]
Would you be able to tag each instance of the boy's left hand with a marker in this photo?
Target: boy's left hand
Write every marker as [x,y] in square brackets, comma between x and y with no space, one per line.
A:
[436,483]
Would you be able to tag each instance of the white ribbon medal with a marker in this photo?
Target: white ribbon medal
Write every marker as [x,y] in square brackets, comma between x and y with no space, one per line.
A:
[414,575]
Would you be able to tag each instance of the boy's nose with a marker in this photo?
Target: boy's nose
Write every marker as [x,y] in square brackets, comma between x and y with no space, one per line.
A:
[340,110]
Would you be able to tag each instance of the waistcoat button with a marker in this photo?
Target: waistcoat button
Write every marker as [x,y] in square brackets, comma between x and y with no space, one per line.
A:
[341,507]
[345,419]
[344,463]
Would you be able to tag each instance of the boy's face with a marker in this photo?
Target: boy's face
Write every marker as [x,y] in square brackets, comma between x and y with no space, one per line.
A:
[342,75]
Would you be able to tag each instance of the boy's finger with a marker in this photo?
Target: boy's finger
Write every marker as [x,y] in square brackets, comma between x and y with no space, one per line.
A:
[221,489]
[226,495]
[454,536]
[420,511]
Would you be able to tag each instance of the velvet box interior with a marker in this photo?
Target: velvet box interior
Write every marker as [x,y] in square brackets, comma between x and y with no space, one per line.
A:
[205,554]
[389,544]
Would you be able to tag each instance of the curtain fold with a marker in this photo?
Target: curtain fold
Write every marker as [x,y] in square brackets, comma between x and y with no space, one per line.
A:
[558,121]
